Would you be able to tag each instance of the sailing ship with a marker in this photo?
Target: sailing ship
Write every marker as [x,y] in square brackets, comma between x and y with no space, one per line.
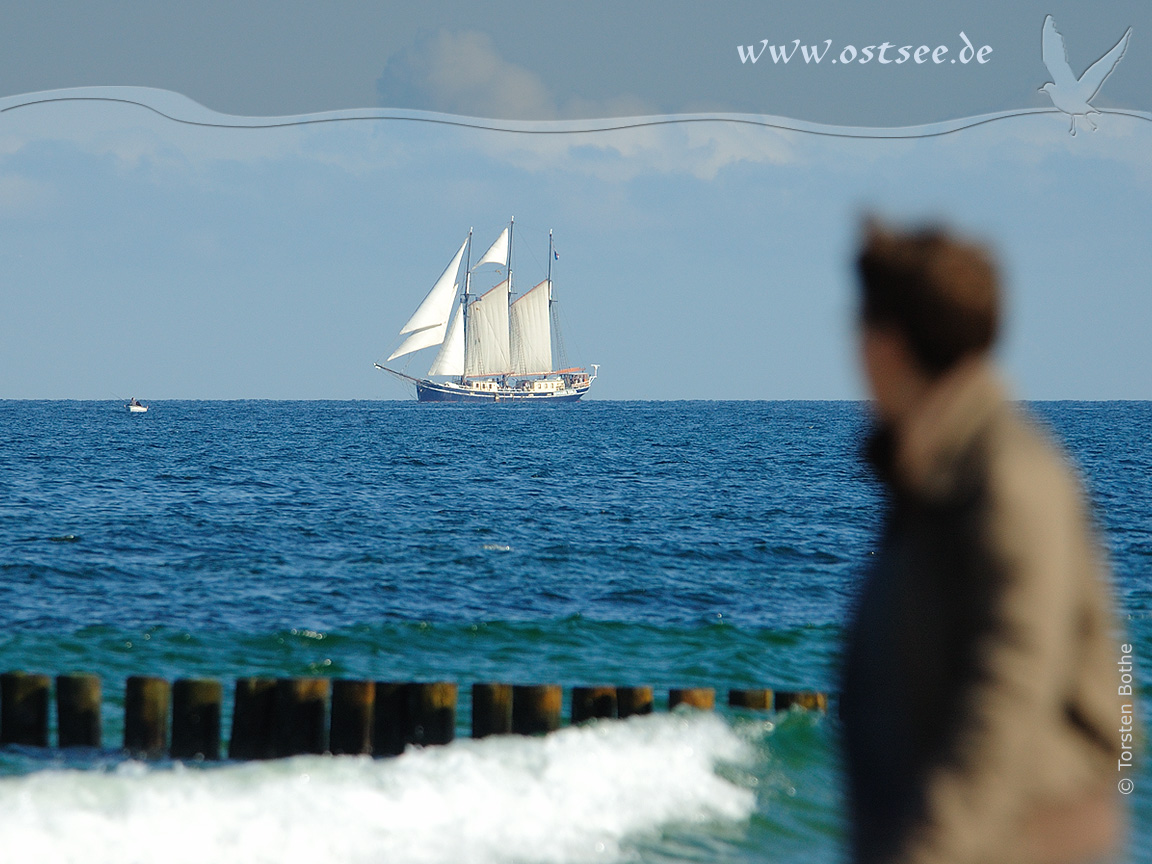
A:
[495,346]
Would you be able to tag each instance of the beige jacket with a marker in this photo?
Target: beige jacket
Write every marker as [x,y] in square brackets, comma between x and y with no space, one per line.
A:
[979,701]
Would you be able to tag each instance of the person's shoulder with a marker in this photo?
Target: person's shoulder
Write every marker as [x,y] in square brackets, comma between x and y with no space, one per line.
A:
[1029,474]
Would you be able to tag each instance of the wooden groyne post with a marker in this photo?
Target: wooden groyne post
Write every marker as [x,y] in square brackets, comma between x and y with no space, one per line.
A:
[253,712]
[491,709]
[809,700]
[353,712]
[413,713]
[287,716]
[536,708]
[196,719]
[433,712]
[146,715]
[298,719]
[631,701]
[78,722]
[24,709]
[593,703]
[755,700]
[701,698]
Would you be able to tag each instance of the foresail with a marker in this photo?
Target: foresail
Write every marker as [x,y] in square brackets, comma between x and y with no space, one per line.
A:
[450,360]
[532,332]
[436,307]
[487,336]
[425,338]
[497,253]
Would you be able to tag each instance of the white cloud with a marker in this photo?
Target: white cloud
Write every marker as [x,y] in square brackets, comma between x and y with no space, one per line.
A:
[463,73]
[467,76]
[24,195]
[359,143]
[652,145]
[158,130]
[131,125]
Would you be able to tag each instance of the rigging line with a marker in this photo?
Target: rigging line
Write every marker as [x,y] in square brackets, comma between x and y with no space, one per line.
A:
[520,246]
[559,346]
[406,360]
[564,325]
[531,254]
[880,133]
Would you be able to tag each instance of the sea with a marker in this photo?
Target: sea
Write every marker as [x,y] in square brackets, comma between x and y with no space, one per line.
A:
[666,544]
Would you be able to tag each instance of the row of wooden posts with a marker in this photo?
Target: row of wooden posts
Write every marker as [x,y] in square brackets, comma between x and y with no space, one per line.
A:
[276,717]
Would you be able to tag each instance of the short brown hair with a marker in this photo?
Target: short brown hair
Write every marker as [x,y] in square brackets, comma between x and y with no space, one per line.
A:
[941,293]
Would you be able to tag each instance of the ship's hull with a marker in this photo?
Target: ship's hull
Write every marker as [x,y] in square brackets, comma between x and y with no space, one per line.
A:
[433,391]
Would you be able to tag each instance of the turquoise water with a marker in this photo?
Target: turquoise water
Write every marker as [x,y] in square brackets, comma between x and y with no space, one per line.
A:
[665,544]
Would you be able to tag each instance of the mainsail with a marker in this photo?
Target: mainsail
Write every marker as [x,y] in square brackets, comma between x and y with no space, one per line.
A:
[532,331]
[486,340]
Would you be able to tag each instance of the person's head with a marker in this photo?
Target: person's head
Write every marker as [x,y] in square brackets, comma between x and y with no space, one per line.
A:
[927,301]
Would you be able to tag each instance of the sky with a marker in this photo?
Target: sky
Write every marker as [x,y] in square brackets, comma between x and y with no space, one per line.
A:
[153,247]
[588,58]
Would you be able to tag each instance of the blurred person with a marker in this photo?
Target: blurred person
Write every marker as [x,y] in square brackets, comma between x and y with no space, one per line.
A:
[979,697]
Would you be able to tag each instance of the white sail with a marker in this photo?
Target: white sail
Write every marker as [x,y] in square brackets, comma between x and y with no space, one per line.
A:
[487,336]
[497,253]
[425,338]
[532,332]
[450,360]
[437,305]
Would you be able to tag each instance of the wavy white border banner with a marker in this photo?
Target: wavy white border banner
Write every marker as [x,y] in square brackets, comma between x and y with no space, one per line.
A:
[180,109]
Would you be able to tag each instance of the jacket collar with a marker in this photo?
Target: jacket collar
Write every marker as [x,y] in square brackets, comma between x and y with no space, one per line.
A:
[924,455]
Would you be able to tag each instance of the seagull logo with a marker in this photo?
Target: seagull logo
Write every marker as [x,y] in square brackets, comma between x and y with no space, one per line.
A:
[1070,94]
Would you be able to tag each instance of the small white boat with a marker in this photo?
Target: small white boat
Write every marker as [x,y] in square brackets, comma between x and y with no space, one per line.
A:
[134,407]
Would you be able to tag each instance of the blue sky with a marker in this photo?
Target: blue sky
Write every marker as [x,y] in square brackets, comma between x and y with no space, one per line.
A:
[588,58]
[147,255]
[705,260]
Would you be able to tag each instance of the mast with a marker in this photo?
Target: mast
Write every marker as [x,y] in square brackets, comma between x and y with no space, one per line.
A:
[511,222]
[560,353]
[551,255]
[464,300]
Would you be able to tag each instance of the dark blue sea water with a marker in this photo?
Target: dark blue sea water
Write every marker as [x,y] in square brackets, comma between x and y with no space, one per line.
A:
[668,544]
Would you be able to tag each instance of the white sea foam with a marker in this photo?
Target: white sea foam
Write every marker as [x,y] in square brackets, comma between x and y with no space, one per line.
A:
[581,794]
